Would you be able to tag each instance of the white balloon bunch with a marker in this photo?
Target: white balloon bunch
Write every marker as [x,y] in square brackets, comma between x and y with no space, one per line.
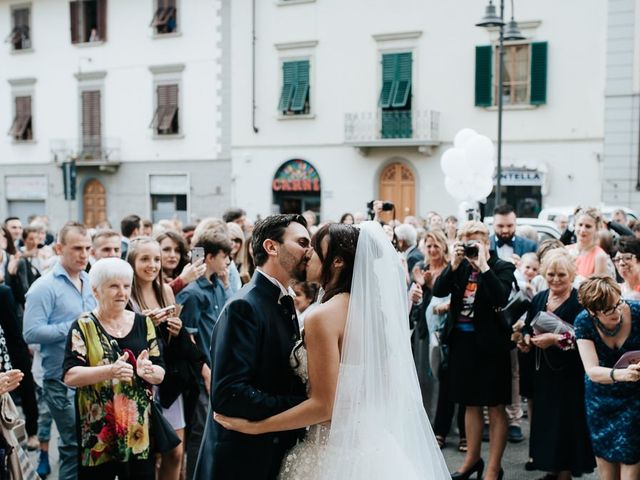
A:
[468,166]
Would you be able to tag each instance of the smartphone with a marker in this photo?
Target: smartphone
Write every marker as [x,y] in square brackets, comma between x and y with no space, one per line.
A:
[165,309]
[197,253]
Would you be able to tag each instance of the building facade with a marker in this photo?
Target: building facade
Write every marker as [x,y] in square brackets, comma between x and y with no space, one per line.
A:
[621,173]
[358,100]
[130,93]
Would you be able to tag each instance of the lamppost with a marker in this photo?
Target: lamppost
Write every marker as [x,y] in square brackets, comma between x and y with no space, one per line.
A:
[491,19]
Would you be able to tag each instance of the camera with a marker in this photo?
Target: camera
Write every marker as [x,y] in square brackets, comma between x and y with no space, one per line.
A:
[470,249]
[386,206]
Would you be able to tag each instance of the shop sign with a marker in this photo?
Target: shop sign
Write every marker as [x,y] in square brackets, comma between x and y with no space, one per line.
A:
[516,178]
[26,187]
[296,176]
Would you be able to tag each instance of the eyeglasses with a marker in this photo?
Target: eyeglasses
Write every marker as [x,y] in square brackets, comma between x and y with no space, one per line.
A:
[610,310]
[624,258]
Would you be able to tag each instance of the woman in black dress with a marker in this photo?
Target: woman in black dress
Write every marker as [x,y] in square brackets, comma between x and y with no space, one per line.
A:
[559,442]
[479,343]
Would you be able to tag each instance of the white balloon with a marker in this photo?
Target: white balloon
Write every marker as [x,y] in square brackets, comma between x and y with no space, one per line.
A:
[454,187]
[479,152]
[463,136]
[454,163]
[482,187]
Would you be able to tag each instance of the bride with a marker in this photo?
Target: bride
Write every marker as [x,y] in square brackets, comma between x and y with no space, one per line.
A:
[364,406]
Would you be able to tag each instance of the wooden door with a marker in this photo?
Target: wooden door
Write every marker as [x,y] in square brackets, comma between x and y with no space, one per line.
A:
[95,203]
[398,185]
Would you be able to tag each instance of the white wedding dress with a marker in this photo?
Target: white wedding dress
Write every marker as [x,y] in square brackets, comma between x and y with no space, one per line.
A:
[379,429]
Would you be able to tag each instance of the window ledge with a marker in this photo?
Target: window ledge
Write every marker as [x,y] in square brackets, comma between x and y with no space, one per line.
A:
[24,142]
[21,51]
[174,136]
[307,116]
[524,106]
[89,44]
[166,35]
[282,3]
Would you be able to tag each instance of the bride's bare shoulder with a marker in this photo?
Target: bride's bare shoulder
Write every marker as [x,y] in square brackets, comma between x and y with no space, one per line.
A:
[330,315]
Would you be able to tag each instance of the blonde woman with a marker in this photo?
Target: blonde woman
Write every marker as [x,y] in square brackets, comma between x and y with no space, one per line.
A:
[590,259]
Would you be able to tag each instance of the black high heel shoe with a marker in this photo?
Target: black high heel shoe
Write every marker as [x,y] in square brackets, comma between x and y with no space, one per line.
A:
[477,467]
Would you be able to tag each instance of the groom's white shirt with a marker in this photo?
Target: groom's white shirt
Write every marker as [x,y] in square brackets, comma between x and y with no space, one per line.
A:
[283,291]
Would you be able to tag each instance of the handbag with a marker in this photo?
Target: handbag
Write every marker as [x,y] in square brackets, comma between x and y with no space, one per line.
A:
[14,458]
[518,305]
[163,436]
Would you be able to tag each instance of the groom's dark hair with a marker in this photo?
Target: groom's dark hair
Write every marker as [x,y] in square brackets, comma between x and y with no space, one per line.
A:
[271,228]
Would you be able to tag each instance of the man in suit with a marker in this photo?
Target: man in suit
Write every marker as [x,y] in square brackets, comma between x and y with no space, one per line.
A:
[250,348]
[510,247]
[130,227]
[407,237]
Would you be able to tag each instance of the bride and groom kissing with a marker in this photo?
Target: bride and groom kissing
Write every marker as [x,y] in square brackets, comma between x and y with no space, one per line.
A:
[349,376]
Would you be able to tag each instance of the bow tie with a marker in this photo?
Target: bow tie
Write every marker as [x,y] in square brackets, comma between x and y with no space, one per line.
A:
[501,243]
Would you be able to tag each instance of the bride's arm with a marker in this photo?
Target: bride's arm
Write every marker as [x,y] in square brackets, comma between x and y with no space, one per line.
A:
[322,334]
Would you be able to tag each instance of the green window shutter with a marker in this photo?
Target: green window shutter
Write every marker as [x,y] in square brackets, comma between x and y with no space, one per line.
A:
[403,80]
[538,73]
[389,84]
[289,80]
[300,95]
[483,76]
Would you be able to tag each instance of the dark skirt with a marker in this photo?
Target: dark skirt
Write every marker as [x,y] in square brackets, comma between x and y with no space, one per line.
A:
[526,362]
[478,378]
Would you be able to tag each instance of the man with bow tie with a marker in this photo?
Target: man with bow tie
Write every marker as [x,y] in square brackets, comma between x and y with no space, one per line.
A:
[510,247]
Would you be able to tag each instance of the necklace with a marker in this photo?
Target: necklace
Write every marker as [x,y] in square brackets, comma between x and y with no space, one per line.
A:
[609,332]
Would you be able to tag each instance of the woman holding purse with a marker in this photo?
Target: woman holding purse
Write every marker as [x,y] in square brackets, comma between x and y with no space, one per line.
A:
[559,442]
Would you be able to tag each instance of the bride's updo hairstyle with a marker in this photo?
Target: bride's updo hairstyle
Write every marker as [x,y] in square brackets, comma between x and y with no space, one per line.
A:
[342,240]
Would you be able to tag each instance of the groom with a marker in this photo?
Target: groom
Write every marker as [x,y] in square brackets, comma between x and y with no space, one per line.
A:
[250,348]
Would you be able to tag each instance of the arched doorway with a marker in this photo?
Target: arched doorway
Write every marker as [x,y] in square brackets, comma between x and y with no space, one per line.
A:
[94,200]
[398,185]
[296,187]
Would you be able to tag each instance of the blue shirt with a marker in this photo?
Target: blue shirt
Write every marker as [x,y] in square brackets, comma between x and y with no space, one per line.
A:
[202,301]
[53,304]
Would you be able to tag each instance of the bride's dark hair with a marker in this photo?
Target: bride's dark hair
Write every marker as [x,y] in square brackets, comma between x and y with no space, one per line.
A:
[342,242]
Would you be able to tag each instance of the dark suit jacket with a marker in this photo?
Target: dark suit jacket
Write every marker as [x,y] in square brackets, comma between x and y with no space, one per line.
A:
[494,287]
[17,347]
[251,378]
[521,245]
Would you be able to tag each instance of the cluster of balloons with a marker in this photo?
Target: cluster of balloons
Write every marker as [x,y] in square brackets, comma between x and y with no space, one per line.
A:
[468,166]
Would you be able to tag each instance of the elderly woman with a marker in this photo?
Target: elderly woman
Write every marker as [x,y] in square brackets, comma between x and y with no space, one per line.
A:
[559,441]
[628,267]
[479,343]
[605,331]
[111,357]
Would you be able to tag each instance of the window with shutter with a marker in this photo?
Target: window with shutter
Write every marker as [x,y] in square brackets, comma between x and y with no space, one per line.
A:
[395,95]
[20,36]
[88,20]
[165,17]
[294,96]
[166,117]
[91,127]
[21,128]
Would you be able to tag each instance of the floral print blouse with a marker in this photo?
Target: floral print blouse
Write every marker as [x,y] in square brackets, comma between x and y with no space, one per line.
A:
[112,416]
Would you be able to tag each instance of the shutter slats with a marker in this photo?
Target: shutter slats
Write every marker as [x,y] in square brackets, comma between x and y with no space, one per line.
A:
[91,127]
[101,19]
[389,86]
[167,109]
[22,118]
[403,80]
[299,97]
[74,15]
[289,81]
[483,76]
[538,73]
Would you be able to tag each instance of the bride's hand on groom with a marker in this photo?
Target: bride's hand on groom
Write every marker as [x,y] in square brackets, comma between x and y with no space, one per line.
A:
[241,425]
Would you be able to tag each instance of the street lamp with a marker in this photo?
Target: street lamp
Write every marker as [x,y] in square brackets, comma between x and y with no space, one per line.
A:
[491,19]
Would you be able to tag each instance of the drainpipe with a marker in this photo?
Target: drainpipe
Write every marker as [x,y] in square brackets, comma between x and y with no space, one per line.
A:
[253,65]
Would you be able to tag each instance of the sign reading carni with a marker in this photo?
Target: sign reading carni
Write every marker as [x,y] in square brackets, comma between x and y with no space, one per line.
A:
[296,176]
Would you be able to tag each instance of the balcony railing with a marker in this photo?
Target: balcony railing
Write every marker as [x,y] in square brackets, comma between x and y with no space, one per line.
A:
[87,151]
[389,128]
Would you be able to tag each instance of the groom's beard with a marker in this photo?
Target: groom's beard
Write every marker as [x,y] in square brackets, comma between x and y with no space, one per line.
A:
[296,268]
[300,272]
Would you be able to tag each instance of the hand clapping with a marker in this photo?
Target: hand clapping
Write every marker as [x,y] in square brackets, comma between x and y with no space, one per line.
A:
[122,370]
[144,366]
[10,380]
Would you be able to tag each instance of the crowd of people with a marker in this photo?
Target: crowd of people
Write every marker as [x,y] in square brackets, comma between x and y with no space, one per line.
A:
[104,330]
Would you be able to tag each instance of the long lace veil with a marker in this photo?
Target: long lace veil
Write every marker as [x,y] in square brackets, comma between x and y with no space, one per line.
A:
[379,428]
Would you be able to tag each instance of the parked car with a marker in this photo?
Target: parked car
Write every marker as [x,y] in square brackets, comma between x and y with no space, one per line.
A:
[552,212]
[546,229]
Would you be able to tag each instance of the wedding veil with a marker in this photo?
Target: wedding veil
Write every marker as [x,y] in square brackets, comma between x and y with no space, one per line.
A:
[379,428]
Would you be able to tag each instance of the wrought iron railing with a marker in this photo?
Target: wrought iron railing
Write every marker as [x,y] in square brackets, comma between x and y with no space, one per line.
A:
[86,149]
[362,127]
